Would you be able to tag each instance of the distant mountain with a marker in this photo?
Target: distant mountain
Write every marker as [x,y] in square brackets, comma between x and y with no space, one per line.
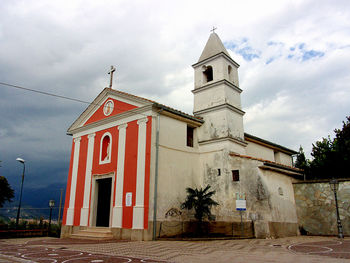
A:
[35,202]
[40,197]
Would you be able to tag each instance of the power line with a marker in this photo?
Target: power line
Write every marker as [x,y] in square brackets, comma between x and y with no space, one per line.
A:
[27,208]
[56,95]
[44,93]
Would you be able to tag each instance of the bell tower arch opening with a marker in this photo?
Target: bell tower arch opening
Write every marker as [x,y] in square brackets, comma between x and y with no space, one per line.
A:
[207,73]
[230,74]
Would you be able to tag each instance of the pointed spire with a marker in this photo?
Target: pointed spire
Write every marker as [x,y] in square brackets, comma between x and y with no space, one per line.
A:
[214,46]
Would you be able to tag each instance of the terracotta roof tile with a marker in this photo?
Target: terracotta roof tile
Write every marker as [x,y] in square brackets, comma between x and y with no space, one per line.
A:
[265,161]
[159,104]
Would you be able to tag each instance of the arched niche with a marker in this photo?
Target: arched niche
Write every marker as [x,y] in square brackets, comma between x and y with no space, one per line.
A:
[207,73]
[105,148]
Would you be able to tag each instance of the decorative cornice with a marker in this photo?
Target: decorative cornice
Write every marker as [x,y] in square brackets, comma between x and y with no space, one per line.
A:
[92,135]
[215,140]
[105,93]
[122,126]
[214,57]
[211,85]
[220,107]
[120,116]
[142,121]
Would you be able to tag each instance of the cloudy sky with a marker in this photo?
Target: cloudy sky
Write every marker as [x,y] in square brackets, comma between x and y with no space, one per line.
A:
[294,61]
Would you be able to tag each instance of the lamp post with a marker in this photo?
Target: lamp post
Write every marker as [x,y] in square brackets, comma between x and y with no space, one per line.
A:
[51,205]
[20,197]
[335,186]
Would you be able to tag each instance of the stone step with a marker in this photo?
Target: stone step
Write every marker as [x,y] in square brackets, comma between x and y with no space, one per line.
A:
[96,233]
[98,229]
[92,233]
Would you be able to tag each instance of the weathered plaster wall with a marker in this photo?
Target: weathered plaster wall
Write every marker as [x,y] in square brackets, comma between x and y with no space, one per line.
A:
[316,207]
[178,166]
[263,152]
[214,96]
[283,158]
[259,151]
[281,198]
[269,210]
[221,123]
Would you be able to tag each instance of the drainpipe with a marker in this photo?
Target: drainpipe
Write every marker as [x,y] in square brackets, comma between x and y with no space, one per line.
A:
[156,179]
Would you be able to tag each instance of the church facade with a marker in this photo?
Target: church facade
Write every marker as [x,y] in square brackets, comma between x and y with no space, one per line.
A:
[132,159]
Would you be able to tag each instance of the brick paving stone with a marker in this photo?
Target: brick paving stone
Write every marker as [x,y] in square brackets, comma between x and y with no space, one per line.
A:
[39,251]
[331,248]
[254,250]
[284,250]
[10,259]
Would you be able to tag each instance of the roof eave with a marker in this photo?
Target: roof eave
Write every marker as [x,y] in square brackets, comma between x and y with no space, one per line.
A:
[198,121]
[258,140]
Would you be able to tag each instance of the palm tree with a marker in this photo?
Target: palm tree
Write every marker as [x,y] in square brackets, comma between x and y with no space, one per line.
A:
[201,201]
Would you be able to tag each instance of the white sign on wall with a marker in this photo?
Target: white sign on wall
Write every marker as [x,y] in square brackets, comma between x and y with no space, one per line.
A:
[241,202]
[128,199]
[241,205]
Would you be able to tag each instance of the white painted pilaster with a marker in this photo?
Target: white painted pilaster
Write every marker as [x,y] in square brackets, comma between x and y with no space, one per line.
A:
[118,208]
[138,212]
[73,185]
[84,214]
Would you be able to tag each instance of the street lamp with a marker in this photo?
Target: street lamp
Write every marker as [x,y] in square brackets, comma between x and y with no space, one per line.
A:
[20,197]
[335,186]
[51,205]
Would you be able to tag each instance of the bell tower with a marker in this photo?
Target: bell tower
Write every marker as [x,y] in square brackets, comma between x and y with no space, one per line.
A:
[217,97]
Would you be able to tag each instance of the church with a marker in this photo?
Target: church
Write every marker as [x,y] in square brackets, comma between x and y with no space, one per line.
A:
[133,158]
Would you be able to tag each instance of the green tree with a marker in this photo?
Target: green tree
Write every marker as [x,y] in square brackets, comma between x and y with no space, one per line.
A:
[6,192]
[301,162]
[322,153]
[331,158]
[341,146]
[201,201]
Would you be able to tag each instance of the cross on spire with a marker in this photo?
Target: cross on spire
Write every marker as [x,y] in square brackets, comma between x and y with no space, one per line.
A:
[111,78]
[214,28]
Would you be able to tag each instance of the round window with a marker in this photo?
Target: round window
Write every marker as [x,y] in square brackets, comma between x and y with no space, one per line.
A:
[108,107]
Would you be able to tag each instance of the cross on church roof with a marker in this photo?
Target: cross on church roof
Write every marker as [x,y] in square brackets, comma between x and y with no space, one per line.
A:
[214,28]
[111,73]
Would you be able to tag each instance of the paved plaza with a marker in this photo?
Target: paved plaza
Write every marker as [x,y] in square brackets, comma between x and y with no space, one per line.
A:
[292,249]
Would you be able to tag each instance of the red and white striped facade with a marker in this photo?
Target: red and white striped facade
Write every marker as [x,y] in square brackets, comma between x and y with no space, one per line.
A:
[111,139]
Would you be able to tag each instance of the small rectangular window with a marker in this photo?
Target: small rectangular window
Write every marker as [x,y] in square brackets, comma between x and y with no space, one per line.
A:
[190,136]
[235,175]
[219,172]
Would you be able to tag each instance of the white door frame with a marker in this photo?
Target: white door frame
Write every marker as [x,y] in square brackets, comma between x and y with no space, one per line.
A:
[94,197]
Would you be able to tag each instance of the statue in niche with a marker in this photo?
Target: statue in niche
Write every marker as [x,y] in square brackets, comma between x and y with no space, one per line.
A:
[107,152]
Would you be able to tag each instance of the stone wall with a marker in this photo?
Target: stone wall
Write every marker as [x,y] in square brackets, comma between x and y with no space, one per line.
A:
[205,229]
[316,207]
